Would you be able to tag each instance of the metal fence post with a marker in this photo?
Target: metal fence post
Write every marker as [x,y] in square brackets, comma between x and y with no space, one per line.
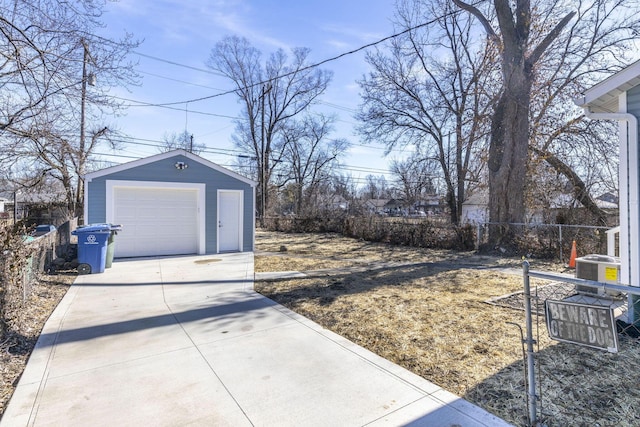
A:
[560,237]
[531,390]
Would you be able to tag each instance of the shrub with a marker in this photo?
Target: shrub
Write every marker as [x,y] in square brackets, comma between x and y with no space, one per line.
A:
[416,232]
[14,261]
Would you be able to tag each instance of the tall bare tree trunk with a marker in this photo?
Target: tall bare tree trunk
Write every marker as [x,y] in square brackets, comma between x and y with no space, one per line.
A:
[508,150]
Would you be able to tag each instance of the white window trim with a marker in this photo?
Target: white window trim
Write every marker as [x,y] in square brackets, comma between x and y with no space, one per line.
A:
[200,189]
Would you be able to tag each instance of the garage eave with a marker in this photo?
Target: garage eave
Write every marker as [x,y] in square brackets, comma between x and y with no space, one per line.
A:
[162,156]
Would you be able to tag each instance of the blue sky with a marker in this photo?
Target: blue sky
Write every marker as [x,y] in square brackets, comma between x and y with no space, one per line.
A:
[184,32]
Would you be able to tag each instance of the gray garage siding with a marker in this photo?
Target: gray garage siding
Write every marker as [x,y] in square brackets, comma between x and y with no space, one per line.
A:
[164,170]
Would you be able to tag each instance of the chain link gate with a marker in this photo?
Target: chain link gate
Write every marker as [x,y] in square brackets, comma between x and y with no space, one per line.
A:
[583,311]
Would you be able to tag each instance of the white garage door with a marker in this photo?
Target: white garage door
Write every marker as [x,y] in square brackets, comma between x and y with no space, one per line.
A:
[155,221]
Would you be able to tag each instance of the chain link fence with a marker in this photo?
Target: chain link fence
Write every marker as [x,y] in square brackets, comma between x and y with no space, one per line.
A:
[591,374]
[42,253]
[548,240]
[542,241]
[23,259]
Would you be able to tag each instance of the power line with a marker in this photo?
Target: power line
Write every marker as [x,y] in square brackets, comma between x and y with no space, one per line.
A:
[357,180]
[177,64]
[146,104]
[160,144]
[235,153]
[308,67]
[127,139]
[178,80]
[338,107]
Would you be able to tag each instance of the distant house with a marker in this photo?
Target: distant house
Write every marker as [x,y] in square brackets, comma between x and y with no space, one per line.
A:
[475,209]
[338,203]
[396,207]
[430,204]
[3,213]
[375,206]
[40,207]
[607,201]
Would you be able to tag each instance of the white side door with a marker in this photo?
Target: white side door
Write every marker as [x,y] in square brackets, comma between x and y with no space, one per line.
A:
[229,220]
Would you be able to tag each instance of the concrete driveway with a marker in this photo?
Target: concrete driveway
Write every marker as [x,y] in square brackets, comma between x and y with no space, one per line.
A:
[186,341]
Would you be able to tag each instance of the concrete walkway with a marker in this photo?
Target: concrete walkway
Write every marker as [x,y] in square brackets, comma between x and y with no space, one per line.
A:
[186,341]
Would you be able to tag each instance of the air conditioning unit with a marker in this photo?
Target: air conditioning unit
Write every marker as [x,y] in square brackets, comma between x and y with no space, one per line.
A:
[599,268]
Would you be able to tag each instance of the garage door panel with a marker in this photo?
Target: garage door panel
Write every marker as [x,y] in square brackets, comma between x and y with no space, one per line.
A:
[156,221]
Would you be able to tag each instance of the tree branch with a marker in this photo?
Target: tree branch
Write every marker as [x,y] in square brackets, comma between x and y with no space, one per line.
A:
[544,44]
[475,12]
[580,191]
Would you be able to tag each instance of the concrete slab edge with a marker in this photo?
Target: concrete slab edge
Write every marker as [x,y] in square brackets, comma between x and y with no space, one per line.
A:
[37,368]
[417,382]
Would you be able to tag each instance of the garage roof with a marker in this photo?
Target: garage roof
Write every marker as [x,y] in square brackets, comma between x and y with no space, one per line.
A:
[140,162]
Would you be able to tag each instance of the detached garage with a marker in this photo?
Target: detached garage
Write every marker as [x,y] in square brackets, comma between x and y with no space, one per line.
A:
[174,203]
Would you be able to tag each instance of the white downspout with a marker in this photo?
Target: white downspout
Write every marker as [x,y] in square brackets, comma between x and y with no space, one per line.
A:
[85,208]
[628,204]
[611,241]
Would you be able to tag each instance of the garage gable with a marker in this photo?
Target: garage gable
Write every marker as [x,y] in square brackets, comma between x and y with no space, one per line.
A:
[168,204]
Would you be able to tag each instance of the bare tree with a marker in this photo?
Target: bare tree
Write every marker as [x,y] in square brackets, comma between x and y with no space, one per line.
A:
[51,105]
[415,176]
[183,140]
[270,95]
[549,54]
[508,151]
[343,185]
[376,187]
[309,156]
[432,90]
[597,42]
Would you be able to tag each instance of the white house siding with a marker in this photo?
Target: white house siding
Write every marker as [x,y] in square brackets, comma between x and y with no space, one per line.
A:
[475,214]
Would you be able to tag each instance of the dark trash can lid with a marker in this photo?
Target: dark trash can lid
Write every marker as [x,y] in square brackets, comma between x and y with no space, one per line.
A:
[92,228]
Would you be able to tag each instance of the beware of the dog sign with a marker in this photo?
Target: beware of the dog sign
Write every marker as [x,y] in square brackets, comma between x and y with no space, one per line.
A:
[582,324]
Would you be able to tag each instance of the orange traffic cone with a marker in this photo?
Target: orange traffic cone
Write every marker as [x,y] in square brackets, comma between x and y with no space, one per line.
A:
[574,255]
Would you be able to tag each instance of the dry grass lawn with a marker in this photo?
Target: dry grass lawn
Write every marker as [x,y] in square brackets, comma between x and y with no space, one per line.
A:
[426,310]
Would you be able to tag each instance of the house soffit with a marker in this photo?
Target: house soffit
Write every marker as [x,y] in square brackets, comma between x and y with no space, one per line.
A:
[603,97]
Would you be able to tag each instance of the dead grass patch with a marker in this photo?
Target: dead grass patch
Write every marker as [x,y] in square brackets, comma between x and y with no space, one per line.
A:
[431,318]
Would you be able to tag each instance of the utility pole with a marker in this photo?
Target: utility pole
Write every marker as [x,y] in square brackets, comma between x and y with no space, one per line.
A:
[90,79]
[264,164]
[15,206]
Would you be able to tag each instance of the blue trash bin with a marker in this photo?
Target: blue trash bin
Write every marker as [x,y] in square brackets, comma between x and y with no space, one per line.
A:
[92,247]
